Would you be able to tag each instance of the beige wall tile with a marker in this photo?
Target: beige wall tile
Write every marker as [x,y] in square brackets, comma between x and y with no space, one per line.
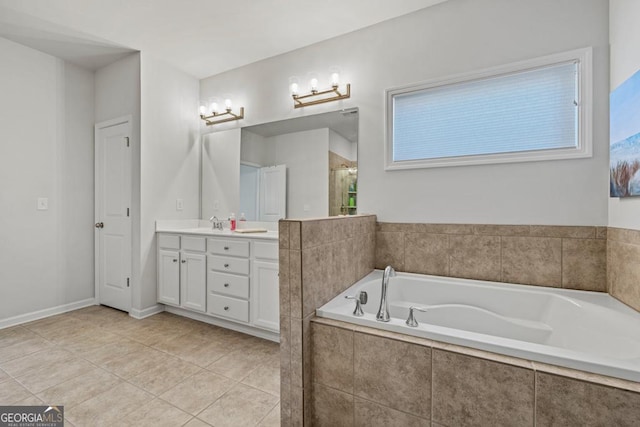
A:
[563,401]
[295,242]
[285,403]
[601,232]
[390,250]
[502,230]
[472,391]
[576,232]
[369,414]
[283,234]
[426,253]
[315,232]
[318,274]
[345,269]
[584,264]
[532,260]
[297,406]
[475,257]
[393,373]
[341,228]
[364,252]
[283,278]
[624,235]
[295,283]
[285,348]
[395,227]
[332,357]
[331,408]
[624,272]
[296,352]
[443,228]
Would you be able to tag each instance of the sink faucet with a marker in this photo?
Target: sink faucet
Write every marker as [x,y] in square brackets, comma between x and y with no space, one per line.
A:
[215,223]
[383,311]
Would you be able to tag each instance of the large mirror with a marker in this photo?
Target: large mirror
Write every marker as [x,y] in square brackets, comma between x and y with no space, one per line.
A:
[305,167]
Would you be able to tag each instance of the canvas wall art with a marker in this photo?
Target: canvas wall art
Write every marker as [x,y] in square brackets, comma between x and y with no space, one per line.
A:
[624,139]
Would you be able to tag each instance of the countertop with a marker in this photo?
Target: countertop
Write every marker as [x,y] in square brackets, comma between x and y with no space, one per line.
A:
[203,228]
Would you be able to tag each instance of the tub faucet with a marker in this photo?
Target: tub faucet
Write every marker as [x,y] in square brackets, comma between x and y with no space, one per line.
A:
[383,311]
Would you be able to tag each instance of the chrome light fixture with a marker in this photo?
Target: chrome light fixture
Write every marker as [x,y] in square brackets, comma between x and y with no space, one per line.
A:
[315,96]
[213,112]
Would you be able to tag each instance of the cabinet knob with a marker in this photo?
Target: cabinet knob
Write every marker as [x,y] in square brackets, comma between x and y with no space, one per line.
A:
[184,260]
[226,248]
[175,260]
[226,285]
[226,266]
[226,308]
[99,224]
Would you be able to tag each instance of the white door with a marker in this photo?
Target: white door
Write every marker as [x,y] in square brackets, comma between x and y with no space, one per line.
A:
[273,193]
[112,214]
[193,281]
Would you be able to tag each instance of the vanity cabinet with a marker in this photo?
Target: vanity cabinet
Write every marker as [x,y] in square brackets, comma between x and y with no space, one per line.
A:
[182,271]
[230,278]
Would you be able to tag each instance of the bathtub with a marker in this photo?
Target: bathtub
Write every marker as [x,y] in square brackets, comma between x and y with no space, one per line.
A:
[589,331]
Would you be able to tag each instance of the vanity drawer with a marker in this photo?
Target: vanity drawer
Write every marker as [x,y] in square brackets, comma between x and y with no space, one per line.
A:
[228,264]
[266,250]
[168,241]
[233,308]
[228,284]
[229,247]
[198,244]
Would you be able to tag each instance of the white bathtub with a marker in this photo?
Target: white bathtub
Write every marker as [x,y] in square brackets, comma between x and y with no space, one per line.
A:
[589,331]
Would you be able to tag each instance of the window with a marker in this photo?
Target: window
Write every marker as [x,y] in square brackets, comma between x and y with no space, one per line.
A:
[533,110]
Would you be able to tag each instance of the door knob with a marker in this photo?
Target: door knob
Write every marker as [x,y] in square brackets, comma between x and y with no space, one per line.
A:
[99,224]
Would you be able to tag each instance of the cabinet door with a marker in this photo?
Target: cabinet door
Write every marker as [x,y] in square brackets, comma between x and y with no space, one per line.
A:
[265,305]
[168,277]
[193,281]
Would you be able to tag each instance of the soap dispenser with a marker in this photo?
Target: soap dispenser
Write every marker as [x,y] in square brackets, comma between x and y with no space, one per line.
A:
[232,221]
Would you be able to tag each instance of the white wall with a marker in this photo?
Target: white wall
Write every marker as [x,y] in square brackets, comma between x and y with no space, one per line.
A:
[117,94]
[46,150]
[306,155]
[170,158]
[342,146]
[453,37]
[624,34]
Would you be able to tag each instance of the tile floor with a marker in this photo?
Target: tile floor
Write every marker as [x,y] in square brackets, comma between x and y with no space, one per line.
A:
[109,369]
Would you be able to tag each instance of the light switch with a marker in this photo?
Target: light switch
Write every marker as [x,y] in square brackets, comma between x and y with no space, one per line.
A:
[43,203]
[216,205]
[306,208]
[179,204]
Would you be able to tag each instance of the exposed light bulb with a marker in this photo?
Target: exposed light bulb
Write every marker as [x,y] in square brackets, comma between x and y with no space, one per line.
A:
[314,84]
[203,110]
[294,88]
[214,107]
[335,79]
[227,104]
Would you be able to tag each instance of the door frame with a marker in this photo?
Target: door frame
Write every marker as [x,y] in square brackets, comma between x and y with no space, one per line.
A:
[128,119]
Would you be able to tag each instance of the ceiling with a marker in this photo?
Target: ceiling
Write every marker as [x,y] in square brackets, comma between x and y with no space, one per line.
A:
[200,37]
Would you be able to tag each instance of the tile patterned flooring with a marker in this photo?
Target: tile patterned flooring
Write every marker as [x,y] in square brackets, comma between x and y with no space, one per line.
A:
[109,369]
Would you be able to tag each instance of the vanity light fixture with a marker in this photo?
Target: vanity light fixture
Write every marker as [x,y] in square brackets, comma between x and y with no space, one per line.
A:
[214,111]
[315,96]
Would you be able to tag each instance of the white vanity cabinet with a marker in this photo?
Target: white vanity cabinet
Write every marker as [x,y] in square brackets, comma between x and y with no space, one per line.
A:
[231,279]
[228,278]
[182,271]
[265,287]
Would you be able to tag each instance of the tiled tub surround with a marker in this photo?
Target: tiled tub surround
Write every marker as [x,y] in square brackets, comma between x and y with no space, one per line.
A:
[623,265]
[318,260]
[558,256]
[590,331]
[367,377]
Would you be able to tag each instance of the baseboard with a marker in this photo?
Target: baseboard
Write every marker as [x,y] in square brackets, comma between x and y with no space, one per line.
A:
[249,330]
[150,311]
[40,314]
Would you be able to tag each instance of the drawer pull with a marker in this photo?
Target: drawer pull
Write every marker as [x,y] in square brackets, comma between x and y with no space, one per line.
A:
[184,260]
[226,266]
[226,285]
[226,308]
[175,260]
[226,248]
